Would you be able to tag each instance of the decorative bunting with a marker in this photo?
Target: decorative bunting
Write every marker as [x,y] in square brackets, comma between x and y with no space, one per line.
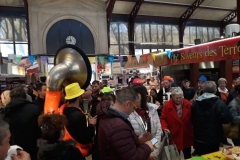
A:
[18,59]
[138,58]
[146,57]
[153,56]
[161,55]
[169,54]
[111,58]
[91,59]
[44,59]
[31,59]
[120,58]
[129,58]
[101,59]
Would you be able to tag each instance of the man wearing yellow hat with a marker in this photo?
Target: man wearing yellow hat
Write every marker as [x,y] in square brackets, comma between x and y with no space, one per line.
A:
[77,128]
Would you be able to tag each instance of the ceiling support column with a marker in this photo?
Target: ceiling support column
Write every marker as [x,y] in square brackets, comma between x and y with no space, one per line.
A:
[28,28]
[109,15]
[131,24]
[185,17]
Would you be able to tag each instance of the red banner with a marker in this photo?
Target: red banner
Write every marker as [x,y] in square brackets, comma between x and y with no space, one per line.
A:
[212,51]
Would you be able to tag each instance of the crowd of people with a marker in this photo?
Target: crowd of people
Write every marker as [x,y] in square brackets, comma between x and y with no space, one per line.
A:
[120,124]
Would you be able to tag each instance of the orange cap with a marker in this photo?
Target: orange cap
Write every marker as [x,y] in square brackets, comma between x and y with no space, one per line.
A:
[168,78]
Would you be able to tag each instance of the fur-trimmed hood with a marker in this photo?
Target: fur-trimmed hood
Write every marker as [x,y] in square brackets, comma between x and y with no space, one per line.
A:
[54,151]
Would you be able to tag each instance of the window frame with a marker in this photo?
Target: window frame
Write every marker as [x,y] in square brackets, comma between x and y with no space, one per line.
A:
[14,42]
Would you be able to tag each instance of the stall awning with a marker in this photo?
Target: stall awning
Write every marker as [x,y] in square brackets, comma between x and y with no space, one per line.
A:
[213,51]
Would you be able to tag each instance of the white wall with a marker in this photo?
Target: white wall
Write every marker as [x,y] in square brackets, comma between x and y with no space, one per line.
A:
[44,13]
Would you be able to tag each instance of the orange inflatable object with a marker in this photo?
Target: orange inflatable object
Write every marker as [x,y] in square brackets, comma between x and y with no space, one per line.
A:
[52,102]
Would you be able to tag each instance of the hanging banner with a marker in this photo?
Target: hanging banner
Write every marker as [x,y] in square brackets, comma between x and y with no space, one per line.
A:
[111,58]
[161,55]
[31,59]
[33,68]
[129,58]
[134,63]
[101,59]
[120,58]
[44,59]
[91,59]
[146,56]
[213,51]
[18,59]
[153,56]
[160,60]
[138,58]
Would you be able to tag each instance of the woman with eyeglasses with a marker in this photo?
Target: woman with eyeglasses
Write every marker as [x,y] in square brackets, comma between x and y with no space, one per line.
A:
[176,120]
[145,118]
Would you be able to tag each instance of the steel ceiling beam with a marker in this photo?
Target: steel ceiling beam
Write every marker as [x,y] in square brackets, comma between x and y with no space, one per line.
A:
[181,5]
[131,23]
[109,11]
[28,28]
[227,20]
[185,17]
[187,14]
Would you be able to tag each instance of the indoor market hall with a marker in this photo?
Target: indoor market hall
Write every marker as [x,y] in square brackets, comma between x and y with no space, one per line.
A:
[119,80]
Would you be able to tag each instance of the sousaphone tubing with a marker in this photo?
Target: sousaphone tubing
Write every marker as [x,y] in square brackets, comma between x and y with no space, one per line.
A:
[71,65]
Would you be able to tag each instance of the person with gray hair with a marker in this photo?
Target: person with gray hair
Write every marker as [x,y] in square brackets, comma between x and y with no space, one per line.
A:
[4,139]
[209,112]
[222,91]
[176,120]
[5,136]
[116,137]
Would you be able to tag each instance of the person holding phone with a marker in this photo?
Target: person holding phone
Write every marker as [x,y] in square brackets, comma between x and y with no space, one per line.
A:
[176,120]
[116,138]
[145,119]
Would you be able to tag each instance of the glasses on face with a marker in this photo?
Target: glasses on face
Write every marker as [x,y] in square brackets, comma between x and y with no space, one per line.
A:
[134,105]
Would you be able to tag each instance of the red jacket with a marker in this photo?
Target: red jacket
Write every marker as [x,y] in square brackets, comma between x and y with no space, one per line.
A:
[181,129]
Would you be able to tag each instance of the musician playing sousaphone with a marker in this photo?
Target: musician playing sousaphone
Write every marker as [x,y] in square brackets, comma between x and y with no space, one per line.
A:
[78,129]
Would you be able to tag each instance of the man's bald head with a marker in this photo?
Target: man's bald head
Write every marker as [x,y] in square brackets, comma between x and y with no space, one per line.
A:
[5,97]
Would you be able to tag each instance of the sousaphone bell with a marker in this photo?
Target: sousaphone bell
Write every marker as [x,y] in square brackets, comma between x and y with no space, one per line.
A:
[71,65]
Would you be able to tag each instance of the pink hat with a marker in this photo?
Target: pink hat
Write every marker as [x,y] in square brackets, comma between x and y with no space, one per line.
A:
[137,81]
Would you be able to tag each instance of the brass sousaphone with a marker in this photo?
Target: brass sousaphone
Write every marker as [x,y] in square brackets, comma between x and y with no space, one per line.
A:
[71,65]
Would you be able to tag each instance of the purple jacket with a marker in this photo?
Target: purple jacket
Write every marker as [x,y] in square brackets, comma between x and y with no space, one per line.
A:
[116,137]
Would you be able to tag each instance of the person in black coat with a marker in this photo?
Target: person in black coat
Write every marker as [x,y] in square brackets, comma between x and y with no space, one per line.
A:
[22,117]
[209,112]
[188,91]
[79,127]
[161,96]
[51,146]
[232,93]
[40,99]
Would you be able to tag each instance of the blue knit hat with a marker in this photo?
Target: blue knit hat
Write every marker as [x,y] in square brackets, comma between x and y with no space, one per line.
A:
[202,78]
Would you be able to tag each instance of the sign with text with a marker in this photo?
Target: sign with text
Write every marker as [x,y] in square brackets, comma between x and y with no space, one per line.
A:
[212,51]
[116,68]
